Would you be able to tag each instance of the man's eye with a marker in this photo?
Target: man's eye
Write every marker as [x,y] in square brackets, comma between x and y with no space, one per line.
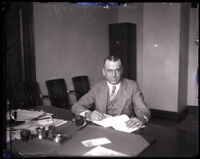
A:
[109,71]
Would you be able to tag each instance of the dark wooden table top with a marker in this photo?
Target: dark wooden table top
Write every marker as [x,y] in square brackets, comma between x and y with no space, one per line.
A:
[166,141]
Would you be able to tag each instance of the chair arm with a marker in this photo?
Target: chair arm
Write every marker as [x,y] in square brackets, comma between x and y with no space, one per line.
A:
[44,96]
[70,91]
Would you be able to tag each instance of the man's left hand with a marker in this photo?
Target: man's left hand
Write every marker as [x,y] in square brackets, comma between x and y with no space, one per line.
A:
[134,122]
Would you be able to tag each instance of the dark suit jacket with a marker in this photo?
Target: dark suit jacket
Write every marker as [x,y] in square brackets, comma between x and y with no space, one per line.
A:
[130,100]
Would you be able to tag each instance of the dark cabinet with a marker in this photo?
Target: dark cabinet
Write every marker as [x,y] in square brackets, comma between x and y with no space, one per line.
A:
[122,39]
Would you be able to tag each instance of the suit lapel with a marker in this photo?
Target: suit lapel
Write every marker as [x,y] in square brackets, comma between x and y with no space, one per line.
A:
[104,97]
[121,97]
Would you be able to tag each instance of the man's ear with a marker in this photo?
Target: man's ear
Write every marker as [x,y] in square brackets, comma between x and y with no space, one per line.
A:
[122,69]
[103,71]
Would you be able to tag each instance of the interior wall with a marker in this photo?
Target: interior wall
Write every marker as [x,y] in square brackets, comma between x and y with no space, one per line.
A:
[161,32]
[73,40]
[183,57]
[70,40]
[133,13]
[193,59]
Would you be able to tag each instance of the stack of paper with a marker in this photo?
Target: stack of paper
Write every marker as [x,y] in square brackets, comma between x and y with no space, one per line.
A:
[24,115]
[31,125]
[47,120]
[28,126]
[59,122]
[34,119]
[117,122]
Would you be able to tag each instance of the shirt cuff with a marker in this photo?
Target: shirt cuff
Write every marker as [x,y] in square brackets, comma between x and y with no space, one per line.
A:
[83,113]
[146,119]
[143,119]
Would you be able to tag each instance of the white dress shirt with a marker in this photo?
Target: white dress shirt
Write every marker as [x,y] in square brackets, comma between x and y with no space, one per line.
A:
[110,86]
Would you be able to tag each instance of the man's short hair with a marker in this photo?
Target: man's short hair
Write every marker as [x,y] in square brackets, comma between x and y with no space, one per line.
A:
[112,58]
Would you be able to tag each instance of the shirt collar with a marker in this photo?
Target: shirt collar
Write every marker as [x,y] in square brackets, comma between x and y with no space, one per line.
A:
[111,85]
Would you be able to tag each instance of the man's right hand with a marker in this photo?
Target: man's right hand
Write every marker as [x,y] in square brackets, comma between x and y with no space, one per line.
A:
[94,115]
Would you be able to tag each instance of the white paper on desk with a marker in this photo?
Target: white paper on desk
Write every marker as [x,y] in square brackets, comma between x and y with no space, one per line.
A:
[117,122]
[121,125]
[106,122]
[48,122]
[102,151]
[95,142]
[24,115]
[32,125]
[59,122]
[44,122]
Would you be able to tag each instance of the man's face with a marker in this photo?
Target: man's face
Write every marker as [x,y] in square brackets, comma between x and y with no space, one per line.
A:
[113,71]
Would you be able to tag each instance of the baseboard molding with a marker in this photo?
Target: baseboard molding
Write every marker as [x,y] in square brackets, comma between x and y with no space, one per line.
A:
[168,115]
[192,109]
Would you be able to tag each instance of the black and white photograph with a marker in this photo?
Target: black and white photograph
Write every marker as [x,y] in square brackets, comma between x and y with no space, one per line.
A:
[100,79]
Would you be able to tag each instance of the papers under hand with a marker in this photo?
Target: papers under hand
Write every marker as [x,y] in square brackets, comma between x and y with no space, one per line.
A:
[117,122]
[106,122]
[120,124]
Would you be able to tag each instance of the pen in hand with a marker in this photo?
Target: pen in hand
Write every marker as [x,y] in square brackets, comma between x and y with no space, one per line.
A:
[95,115]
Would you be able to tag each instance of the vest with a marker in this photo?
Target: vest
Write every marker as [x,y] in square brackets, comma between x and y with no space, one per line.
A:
[111,108]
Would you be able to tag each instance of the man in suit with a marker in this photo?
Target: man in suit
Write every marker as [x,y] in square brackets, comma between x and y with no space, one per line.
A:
[114,96]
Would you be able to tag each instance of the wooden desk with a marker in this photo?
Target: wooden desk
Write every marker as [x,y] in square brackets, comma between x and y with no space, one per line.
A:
[60,113]
[169,142]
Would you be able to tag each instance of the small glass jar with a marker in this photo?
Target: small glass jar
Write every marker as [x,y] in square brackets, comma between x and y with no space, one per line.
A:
[57,138]
[40,132]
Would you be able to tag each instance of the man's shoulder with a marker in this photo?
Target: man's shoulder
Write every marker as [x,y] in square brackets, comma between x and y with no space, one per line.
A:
[129,81]
[99,84]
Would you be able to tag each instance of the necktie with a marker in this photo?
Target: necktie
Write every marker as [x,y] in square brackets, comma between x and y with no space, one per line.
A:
[112,95]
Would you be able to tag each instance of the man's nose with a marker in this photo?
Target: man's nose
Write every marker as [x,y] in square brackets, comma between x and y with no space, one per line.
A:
[113,73]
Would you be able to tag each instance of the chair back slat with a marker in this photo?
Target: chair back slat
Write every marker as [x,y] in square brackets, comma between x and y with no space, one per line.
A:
[57,91]
[81,85]
[25,95]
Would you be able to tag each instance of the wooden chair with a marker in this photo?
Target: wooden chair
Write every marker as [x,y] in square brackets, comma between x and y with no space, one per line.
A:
[58,93]
[81,85]
[25,95]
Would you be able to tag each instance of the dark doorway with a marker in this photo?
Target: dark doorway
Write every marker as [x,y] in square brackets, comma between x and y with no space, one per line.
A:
[18,57]
[20,53]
